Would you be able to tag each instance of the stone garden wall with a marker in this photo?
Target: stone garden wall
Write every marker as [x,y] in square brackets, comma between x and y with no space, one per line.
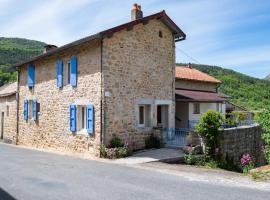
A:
[241,140]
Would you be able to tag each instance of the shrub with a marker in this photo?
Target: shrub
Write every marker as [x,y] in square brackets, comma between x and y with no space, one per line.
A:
[264,121]
[113,153]
[116,142]
[195,159]
[152,142]
[208,128]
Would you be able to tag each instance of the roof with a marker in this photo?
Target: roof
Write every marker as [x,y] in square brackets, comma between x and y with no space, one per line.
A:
[162,16]
[189,73]
[8,89]
[197,96]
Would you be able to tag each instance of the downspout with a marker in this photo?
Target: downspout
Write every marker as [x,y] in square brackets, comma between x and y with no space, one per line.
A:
[101,93]
[17,100]
[103,107]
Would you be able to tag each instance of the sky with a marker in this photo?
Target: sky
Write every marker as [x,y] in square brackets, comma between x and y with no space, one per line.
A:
[229,33]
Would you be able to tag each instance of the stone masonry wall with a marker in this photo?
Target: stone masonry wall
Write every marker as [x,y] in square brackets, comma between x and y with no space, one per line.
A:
[10,118]
[52,131]
[238,141]
[138,65]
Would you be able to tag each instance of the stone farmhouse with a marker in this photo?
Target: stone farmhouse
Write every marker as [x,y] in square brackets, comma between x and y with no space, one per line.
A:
[195,93]
[119,81]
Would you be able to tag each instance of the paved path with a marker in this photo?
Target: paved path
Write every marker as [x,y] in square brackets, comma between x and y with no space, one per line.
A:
[154,155]
[32,175]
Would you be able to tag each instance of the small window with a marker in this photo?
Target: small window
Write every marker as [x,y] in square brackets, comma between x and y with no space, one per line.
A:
[30,109]
[196,108]
[38,107]
[68,73]
[160,34]
[144,115]
[7,110]
[219,107]
[141,115]
[159,117]
[82,118]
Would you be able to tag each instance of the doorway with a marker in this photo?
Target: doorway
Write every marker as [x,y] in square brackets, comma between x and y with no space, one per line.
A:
[2,126]
[162,116]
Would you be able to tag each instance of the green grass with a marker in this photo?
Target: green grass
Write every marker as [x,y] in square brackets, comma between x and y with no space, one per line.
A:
[261,175]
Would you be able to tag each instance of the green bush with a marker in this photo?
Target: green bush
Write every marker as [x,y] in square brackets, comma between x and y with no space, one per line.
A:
[264,121]
[208,128]
[116,142]
[199,160]
[152,142]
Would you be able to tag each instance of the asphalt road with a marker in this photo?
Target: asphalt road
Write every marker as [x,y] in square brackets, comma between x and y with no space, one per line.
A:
[27,174]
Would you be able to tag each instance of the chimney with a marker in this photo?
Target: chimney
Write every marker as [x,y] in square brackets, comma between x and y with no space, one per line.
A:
[49,47]
[136,12]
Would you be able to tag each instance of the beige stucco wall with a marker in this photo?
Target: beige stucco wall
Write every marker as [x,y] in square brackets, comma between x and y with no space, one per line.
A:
[193,85]
[138,69]
[10,118]
[204,107]
[51,131]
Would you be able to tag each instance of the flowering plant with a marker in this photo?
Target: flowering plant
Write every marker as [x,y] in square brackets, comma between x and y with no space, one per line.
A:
[247,163]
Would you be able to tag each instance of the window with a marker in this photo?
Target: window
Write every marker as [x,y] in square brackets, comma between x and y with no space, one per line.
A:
[219,107]
[141,115]
[82,118]
[66,74]
[196,108]
[160,34]
[7,110]
[144,115]
[159,117]
[30,109]
[38,107]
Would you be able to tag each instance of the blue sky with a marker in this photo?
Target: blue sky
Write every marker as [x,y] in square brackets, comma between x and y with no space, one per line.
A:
[229,33]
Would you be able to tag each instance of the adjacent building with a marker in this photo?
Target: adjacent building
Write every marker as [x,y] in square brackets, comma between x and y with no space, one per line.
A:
[195,93]
[8,113]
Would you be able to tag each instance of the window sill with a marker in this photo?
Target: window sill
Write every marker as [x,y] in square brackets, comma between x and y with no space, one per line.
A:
[82,132]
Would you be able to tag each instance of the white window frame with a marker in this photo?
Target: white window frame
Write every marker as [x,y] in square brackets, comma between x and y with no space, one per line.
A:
[195,110]
[80,128]
[139,124]
[67,74]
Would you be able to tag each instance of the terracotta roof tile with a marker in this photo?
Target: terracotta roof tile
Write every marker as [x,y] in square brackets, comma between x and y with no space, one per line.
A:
[189,73]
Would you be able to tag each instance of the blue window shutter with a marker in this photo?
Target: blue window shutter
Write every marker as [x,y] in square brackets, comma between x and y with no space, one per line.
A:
[25,112]
[31,75]
[59,73]
[90,119]
[73,71]
[34,113]
[73,118]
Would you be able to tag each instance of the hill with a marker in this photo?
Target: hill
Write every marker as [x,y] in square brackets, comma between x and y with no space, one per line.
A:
[267,77]
[250,92]
[14,50]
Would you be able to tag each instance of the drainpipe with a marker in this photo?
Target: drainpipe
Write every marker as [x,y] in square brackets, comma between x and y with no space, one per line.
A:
[17,100]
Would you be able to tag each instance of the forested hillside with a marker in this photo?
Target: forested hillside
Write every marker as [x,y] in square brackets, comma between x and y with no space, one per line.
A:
[250,92]
[14,50]
[267,77]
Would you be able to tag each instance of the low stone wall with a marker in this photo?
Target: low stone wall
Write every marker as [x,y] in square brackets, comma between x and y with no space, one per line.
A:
[241,140]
